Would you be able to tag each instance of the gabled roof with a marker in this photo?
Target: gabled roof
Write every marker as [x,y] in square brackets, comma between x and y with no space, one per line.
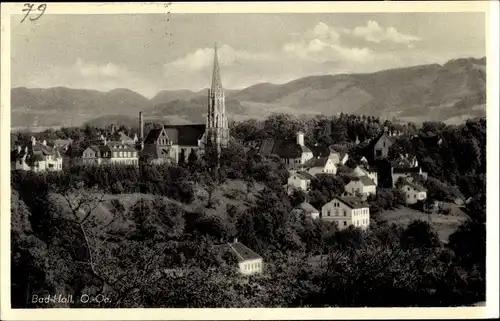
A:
[304,175]
[352,201]
[284,148]
[239,250]
[367,181]
[125,137]
[187,135]
[384,135]
[152,136]
[415,186]
[184,135]
[119,146]
[316,162]
[401,162]
[306,207]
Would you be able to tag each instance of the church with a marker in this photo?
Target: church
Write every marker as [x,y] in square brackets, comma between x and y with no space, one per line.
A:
[172,142]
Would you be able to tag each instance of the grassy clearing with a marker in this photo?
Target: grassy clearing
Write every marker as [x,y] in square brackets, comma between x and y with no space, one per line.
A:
[444,225]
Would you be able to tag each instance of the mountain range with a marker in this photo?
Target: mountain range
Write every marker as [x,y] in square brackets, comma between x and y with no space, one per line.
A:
[450,92]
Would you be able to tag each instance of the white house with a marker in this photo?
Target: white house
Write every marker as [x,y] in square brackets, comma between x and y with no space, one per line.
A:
[300,180]
[111,153]
[362,185]
[405,173]
[307,209]
[320,165]
[36,157]
[339,158]
[346,211]
[413,192]
[365,170]
[249,262]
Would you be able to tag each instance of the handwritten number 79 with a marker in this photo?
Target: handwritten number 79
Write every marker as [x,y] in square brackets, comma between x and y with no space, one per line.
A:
[29,8]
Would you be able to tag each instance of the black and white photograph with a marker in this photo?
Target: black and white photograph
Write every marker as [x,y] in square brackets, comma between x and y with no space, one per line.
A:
[175,159]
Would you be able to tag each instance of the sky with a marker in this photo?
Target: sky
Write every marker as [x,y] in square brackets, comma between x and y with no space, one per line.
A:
[151,52]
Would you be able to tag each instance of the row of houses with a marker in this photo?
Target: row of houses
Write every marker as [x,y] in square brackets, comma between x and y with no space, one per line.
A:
[344,211]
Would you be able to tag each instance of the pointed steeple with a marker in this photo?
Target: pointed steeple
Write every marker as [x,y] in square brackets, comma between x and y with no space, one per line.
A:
[216,81]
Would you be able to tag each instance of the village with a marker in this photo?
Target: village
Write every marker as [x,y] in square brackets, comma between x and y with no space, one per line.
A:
[175,144]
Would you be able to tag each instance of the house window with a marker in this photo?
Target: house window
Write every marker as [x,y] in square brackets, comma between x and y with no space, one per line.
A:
[345,223]
[345,213]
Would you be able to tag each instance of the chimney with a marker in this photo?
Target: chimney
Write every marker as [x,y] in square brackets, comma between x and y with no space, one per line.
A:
[44,142]
[300,138]
[141,126]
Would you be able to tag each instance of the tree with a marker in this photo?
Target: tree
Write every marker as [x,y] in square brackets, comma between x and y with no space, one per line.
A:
[419,235]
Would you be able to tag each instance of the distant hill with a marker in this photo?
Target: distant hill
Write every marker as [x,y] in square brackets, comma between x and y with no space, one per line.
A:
[451,92]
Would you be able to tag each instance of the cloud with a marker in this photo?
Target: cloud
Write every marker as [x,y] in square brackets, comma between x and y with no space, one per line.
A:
[373,32]
[87,70]
[322,44]
[202,58]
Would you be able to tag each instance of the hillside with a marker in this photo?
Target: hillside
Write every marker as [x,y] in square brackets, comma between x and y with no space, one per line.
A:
[451,92]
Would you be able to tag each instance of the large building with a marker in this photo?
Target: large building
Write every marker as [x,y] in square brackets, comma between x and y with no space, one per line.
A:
[110,153]
[346,211]
[36,157]
[172,142]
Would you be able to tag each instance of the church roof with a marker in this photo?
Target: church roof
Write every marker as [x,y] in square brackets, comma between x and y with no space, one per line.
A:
[216,79]
[183,135]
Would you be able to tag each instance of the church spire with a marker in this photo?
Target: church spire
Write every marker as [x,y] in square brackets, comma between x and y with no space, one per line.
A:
[216,81]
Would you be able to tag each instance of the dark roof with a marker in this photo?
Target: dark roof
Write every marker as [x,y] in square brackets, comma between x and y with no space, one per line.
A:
[184,135]
[187,135]
[119,146]
[352,201]
[239,250]
[152,136]
[34,149]
[404,170]
[391,139]
[316,162]
[284,148]
[304,175]
[401,162]
[415,186]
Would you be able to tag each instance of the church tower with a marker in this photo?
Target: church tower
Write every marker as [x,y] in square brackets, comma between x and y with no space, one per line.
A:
[217,131]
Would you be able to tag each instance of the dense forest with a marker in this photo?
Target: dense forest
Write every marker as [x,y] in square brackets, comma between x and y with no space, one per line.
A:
[157,250]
